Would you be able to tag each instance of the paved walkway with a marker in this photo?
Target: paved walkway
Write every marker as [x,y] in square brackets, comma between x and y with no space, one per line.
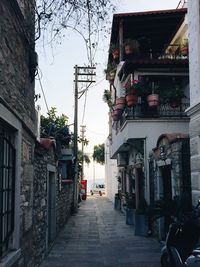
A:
[97,236]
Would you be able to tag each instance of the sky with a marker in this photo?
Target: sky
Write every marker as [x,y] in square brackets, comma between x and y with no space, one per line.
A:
[56,69]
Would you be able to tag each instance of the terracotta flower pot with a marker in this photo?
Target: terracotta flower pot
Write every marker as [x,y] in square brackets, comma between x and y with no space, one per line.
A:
[115,114]
[128,49]
[131,100]
[174,103]
[120,103]
[153,100]
[115,54]
[184,51]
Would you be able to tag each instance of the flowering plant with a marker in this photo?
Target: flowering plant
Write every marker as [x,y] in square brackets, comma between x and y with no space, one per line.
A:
[132,87]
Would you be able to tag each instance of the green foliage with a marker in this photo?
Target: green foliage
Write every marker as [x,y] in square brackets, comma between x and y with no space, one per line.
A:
[98,154]
[55,126]
[83,140]
[111,67]
[113,48]
[173,93]
[83,157]
[135,87]
[108,99]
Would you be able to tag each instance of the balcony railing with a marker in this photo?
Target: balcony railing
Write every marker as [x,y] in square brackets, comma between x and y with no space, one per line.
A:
[142,111]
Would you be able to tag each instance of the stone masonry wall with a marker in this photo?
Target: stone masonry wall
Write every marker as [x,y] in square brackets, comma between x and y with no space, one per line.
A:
[173,152]
[16,51]
[17,94]
[40,209]
[26,205]
[64,204]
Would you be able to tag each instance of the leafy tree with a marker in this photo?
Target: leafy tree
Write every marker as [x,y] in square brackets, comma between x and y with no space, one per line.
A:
[86,17]
[98,154]
[55,126]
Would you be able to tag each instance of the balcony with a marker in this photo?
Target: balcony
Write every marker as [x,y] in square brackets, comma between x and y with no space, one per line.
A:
[146,40]
[142,111]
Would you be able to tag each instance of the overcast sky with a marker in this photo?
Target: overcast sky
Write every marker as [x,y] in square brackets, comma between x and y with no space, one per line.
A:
[57,68]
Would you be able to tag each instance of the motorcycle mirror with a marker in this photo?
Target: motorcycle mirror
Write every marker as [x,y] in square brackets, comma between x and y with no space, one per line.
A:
[198,203]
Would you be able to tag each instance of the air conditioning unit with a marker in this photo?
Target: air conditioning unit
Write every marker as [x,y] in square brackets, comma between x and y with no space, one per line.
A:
[122,159]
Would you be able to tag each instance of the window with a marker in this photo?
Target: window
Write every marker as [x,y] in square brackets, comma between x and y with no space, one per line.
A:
[7,187]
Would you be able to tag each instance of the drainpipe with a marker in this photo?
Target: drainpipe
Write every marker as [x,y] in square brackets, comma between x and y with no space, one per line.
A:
[146,171]
[121,40]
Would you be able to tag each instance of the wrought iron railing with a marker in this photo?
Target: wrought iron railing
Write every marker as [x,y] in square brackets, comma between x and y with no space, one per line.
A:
[7,189]
[142,111]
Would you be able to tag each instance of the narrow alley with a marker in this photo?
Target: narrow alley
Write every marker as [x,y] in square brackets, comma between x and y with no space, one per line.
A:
[97,236]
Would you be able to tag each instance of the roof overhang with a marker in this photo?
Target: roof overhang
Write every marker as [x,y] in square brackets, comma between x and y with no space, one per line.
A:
[154,28]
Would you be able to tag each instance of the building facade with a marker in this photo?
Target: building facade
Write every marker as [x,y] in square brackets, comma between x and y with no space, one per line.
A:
[194,110]
[149,89]
[35,194]
[18,123]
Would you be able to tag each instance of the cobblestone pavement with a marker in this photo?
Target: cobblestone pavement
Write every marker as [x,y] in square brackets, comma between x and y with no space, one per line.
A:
[97,236]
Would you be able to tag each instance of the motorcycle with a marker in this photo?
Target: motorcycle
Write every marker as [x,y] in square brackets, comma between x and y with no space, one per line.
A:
[181,247]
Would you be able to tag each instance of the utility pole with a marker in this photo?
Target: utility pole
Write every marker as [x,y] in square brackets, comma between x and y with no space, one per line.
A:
[82,148]
[82,75]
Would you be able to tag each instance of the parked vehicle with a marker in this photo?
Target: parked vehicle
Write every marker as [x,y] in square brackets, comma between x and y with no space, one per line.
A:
[181,247]
[97,189]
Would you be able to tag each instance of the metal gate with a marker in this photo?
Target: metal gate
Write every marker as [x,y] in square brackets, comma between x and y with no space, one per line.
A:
[7,188]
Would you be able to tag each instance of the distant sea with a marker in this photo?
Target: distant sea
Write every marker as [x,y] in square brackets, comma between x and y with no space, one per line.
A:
[90,183]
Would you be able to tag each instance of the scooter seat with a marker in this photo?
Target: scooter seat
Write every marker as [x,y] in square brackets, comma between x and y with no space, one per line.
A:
[196,251]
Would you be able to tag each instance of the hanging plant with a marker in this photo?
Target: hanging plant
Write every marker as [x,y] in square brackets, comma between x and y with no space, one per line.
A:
[153,98]
[114,50]
[107,98]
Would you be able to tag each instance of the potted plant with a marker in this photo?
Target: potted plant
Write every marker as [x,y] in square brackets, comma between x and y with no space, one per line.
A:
[184,47]
[131,47]
[153,98]
[120,103]
[110,73]
[117,204]
[130,208]
[141,219]
[172,96]
[114,50]
[131,91]
[107,98]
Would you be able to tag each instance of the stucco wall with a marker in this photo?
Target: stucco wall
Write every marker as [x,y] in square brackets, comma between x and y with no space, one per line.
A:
[194,110]
[111,171]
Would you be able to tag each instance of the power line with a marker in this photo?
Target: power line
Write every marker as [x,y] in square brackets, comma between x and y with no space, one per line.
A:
[43,92]
[95,132]
[84,107]
[85,101]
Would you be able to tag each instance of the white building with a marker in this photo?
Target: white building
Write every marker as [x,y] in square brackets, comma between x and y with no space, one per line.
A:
[156,61]
[194,110]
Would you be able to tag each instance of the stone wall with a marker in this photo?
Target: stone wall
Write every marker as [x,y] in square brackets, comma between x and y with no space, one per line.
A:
[17,50]
[26,205]
[39,209]
[178,159]
[64,197]
[16,57]
[64,204]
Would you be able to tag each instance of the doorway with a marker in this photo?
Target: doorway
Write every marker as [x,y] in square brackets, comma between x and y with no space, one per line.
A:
[167,192]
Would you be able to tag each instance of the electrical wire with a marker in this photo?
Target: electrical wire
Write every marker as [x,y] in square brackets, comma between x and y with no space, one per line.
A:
[95,132]
[84,107]
[45,100]
[85,101]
